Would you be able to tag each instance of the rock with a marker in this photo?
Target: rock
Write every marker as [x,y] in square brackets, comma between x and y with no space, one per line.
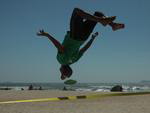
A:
[117,88]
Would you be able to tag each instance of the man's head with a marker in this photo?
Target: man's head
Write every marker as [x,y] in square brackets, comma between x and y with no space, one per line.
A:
[66,71]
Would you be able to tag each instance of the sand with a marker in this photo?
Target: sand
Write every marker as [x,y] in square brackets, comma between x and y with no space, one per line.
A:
[117,104]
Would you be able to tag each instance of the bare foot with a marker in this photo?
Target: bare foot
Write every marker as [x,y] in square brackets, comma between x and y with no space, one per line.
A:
[107,20]
[117,26]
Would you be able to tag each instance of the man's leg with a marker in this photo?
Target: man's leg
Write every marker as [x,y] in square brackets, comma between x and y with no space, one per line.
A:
[76,26]
[80,29]
[89,26]
[88,16]
[115,26]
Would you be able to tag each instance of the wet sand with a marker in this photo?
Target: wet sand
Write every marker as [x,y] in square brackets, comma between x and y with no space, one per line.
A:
[117,104]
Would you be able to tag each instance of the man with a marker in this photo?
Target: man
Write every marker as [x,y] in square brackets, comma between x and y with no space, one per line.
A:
[81,26]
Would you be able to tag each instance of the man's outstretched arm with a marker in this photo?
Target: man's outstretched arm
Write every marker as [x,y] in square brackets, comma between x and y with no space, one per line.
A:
[82,50]
[57,44]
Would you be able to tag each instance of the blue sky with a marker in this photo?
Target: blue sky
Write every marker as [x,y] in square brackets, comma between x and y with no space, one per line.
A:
[121,56]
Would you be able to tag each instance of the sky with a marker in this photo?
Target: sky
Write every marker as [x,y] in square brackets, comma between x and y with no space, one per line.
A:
[120,56]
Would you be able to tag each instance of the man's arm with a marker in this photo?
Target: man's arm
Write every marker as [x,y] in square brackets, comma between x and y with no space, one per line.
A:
[57,44]
[82,50]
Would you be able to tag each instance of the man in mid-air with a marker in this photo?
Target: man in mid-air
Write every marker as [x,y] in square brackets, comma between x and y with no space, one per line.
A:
[81,27]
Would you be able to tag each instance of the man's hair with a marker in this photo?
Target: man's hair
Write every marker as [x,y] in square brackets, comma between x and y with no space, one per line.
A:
[68,68]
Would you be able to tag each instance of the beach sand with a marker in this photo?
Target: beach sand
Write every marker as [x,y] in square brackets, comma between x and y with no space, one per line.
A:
[117,104]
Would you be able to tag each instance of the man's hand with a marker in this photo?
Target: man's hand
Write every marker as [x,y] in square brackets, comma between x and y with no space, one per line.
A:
[88,44]
[42,33]
[57,44]
[95,35]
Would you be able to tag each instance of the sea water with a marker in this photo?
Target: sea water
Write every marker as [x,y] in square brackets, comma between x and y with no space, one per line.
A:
[97,87]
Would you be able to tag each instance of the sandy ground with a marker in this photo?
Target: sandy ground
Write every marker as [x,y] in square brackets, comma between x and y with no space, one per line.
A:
[117,104]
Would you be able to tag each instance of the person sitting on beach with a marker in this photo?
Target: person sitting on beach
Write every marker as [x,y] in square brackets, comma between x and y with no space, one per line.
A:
[81,27]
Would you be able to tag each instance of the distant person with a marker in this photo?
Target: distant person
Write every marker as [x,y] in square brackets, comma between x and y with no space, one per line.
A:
[40,88]
[81,26]
[30,87]
[65,89]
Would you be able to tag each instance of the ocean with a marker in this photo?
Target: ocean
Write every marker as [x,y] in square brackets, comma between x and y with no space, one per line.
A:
[97,87]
